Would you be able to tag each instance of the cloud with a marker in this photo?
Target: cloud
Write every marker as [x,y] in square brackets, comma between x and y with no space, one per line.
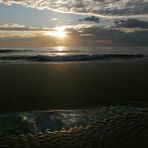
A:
[21,31]
[96,7]
[14,27]
[100,35]
[77,35]
[11,26]
[91,19]
[131,23]
[18,27]
[54,19]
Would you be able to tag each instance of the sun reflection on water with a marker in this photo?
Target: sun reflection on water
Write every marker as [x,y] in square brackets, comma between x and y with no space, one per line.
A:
[61,50]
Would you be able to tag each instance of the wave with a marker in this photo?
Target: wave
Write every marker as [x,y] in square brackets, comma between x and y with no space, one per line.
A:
[12,50]
[64,58]
[38,51]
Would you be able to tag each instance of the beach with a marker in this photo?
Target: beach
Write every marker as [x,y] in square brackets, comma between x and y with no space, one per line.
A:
[106,127]
[71,85]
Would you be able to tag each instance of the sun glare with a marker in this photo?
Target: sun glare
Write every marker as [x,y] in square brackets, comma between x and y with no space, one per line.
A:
[59,32]
[60,48]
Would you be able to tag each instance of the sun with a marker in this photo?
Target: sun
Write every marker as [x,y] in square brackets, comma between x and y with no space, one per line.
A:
[58,32]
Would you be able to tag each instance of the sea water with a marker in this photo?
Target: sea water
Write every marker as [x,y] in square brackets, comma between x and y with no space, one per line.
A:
[65,54]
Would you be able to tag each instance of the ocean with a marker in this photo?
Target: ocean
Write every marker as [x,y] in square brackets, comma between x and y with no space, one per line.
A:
[65,54]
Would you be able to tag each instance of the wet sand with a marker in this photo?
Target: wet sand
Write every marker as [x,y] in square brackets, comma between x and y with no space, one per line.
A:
[119,126]
[71,85]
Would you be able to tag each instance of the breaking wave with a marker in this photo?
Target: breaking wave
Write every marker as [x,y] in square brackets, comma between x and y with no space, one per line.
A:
[64,58]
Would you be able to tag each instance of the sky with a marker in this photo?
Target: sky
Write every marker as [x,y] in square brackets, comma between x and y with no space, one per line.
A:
[46,23]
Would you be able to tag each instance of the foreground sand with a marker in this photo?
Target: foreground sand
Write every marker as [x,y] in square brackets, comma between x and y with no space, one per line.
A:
[71,85]
[119,126]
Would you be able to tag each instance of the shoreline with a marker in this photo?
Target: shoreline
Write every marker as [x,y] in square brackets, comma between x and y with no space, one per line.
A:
[71,85]
[70,62]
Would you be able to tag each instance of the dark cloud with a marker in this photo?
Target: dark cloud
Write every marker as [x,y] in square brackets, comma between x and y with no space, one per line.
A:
[131,23]
[91,19]
[96,7]
[95,35]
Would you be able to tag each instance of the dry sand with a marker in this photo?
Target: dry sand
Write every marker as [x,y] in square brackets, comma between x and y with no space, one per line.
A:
[69,85]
